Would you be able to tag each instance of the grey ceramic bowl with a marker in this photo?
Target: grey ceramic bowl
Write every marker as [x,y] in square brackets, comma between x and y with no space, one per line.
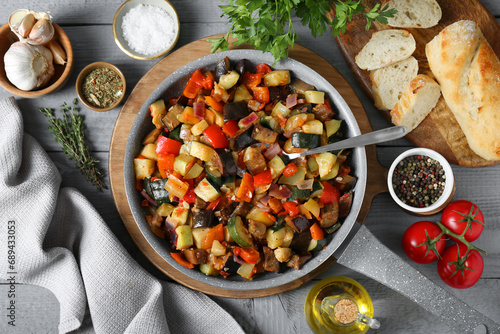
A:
[172,86]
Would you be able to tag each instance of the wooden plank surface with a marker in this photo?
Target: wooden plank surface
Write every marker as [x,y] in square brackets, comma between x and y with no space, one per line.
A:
[88,25]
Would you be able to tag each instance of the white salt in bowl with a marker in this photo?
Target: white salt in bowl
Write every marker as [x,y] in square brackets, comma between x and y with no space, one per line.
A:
[123,44]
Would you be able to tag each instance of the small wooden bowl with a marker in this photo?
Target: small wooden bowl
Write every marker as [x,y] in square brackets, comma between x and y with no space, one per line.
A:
[83,74]
[58,80]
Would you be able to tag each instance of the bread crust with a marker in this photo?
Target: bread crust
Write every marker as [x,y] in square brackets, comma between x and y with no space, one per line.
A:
[468,71]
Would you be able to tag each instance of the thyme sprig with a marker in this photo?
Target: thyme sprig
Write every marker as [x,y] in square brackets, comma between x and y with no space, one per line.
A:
[69,132]
[267,25]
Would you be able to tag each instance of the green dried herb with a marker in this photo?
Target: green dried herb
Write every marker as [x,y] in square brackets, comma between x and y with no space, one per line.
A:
[69,132]
[268,26]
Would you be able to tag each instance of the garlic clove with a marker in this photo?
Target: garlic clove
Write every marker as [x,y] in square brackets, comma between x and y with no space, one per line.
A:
[57,52]
[42,32]
[28,66]
[26,24]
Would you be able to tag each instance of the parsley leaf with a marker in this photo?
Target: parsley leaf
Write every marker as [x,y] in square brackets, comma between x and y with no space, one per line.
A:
[267,25]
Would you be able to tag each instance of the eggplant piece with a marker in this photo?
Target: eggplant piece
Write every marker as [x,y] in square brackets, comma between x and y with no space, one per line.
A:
[298,224]
[254,160]
[345,204]
[300,87]
[195,256]
[297,261]
[278,93]
[270,261]
[257,229]
[243,65]
[235,110]
[329,215]
[204,218]
[224,162]
[226,212]
[263,134]
[242,209]
[300,241]
[322,112]
[345,182]
[222,68]
[230,266]
[170,119]
[242,140]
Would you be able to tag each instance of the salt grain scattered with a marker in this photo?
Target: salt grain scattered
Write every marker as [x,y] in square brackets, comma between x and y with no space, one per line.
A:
[148,29]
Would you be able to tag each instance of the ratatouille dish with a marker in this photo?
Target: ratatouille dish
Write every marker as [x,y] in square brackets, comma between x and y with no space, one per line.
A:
[217,184]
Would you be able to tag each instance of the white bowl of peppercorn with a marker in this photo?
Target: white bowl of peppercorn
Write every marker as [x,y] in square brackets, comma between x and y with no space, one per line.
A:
[421,181]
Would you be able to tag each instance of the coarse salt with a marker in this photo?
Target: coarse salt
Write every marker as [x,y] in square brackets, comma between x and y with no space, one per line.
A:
[148,29]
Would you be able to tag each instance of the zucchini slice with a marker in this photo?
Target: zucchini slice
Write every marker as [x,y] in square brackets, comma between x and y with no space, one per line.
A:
[239,232]
[305,140]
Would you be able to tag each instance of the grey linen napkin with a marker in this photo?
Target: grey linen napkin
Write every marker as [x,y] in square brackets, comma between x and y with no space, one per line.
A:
[62,244]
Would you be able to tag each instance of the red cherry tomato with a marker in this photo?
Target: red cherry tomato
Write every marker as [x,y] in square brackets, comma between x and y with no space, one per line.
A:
[460,268]
[422,242]
[462,215]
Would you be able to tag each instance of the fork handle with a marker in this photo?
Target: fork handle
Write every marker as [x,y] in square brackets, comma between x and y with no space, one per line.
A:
[374,137]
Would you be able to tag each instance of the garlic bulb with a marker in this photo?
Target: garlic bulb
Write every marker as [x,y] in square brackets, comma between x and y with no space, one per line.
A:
[28,66]
[32,27]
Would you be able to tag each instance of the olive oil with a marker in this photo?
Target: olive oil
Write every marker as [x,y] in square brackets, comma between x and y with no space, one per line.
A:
[325,294]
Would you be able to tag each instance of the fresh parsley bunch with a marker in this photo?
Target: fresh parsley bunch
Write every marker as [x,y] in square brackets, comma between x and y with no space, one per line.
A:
[268,26]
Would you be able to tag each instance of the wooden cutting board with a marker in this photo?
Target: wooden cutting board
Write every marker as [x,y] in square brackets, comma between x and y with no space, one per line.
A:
[440,130]
[376,177]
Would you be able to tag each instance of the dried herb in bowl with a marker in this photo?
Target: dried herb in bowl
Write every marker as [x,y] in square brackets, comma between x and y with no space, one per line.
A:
[102,87]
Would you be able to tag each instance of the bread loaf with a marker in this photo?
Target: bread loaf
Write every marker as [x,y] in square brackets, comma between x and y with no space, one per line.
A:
[416,103]
[414,13]
[384,48]
[468,71]
[389,82]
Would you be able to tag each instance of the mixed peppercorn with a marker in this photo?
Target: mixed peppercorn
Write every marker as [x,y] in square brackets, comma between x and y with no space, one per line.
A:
[215,180]
[418,181]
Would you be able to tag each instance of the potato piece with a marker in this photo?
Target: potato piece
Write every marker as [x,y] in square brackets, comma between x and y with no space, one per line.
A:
[143,168]
[277,78]
[149,152]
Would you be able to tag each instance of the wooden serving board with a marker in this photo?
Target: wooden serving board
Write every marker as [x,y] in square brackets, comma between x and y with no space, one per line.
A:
[377,174]
[440,130]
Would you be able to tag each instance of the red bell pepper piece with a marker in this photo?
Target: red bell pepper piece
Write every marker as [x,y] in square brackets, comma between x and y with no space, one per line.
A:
[261,94]
[246,189]
[317,232]
[215,136]
[231,128]
[250,255]
[167,146]
[213,204]
[263,179]
[179,257]
[263,68]
[208,83]
[290,170]
[194,85]
[190,196]
[217,106]
[216,233]
[165,164]
[251,79]
[291,208]
[330,194]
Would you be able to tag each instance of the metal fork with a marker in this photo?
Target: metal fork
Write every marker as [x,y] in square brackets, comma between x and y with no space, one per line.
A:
[374,137]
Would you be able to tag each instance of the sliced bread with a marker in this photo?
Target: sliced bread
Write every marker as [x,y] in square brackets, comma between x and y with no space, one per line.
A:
[414,13]
[416,103]
[384,48]
[389,82]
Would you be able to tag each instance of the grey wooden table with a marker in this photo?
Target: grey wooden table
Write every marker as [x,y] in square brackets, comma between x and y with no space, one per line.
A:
[88,25]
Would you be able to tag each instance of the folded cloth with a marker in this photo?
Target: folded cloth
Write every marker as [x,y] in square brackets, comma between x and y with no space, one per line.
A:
[61,243]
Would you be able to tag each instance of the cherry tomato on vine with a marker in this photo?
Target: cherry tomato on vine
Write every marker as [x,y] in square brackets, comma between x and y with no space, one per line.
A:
[462,215]
[423,242]
[460,268]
